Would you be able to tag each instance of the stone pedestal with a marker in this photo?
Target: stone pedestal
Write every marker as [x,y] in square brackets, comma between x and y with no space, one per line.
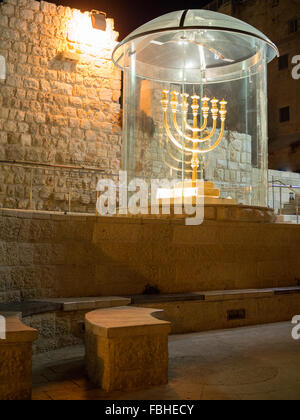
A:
[16,360]
[187,192]
[126,348]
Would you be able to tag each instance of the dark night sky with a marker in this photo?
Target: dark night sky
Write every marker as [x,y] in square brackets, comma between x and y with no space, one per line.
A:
[130,14]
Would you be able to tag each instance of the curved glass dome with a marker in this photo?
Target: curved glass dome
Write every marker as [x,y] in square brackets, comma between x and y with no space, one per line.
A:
[180,45]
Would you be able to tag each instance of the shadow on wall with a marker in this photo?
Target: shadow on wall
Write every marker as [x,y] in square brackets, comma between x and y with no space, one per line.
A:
[67,66]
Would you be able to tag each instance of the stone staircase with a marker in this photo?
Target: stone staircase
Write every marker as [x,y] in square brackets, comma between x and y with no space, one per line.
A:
[288,219]
[290,209]
[290,212]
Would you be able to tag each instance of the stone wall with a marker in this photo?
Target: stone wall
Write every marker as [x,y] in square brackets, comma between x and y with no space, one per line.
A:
[55,108]
[56,330]
[45,255]
[56,111]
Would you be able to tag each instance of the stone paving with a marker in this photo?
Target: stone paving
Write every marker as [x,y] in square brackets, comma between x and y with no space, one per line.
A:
[261,362]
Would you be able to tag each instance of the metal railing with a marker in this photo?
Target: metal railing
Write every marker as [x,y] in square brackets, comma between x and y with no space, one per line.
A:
[71,188]
[66,188]
[294,189]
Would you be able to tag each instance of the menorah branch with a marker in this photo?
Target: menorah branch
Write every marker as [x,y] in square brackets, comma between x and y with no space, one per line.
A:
[195,139]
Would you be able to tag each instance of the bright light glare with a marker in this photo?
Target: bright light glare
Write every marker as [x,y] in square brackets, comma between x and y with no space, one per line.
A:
[163,193]
[202,58]
[87,38]
[157,42]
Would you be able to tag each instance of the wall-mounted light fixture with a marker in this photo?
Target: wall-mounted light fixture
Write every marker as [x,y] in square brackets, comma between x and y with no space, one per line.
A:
[98,20]
[91,33]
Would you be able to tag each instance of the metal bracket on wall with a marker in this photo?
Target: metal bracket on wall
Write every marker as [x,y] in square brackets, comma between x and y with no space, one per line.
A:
[68,56]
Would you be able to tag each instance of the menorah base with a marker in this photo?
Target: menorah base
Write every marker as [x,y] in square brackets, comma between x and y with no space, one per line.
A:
[219,201]
[207,201]
[206,189]
[188,192]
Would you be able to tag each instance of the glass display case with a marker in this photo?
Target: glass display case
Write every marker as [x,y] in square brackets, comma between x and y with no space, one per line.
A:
[195,104]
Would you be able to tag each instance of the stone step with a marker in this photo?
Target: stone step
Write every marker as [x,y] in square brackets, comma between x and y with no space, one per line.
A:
[291,212]
[288,219]
[216,295]
[185,297]
[89,303]
[212,192]
[42,306]
[29,308]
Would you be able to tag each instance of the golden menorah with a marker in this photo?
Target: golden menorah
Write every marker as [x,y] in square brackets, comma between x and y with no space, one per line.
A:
[190,143]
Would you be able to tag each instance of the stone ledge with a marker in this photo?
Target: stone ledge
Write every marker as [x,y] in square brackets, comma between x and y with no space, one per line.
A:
[140,299]
[237,294]
[42,306]
[286,290]
[218,211]
[87,303]
[11,314]
[29,308]
[215,295]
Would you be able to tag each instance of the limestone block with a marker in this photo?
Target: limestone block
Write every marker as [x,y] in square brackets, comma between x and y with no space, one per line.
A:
[16,360]
[219,174]
[120,232]
[31,84]
[7,9]
[33,5]
[237,145]
[126,348]
[3,20]
[48,8]
[9,228]
[233,166]
[27,14]
[222,164]
[26,140]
